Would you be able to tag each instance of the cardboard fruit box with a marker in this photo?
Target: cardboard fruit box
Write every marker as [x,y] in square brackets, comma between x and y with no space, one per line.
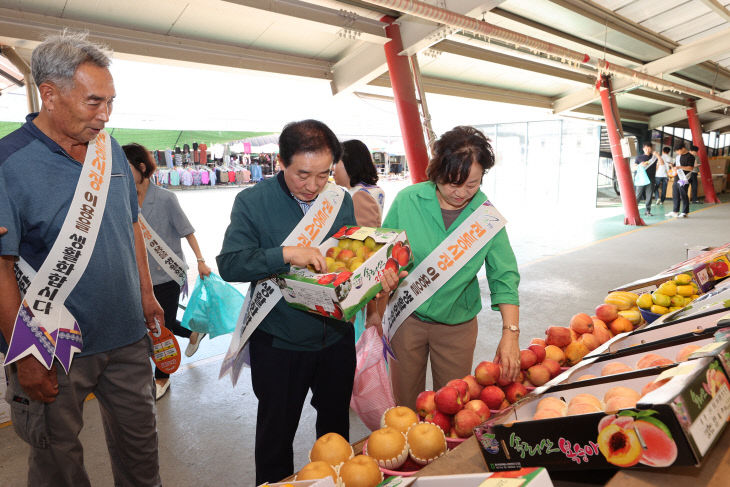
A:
[526,477]
[674,424]
[711,305]
[349,284]
[717,260]
[699,272]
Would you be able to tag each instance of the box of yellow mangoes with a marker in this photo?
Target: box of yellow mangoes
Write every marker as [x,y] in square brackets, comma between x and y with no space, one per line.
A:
[356,259]
[670,295]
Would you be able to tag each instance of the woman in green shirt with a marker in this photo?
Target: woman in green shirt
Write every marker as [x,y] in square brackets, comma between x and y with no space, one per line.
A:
[444,327]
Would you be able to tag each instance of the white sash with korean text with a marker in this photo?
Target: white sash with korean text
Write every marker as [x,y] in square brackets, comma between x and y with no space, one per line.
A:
[261,299]
[442,264]
[165,257]
[44,327]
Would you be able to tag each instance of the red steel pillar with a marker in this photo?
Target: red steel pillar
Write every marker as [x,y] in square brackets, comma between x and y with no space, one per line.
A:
[404,92]
[694,125]
[623,172]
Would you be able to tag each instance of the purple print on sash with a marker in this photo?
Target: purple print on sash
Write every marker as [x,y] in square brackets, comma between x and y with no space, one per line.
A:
[27,335]
[68,343]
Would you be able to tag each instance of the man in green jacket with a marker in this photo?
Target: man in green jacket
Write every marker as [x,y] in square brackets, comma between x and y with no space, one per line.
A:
[291,351]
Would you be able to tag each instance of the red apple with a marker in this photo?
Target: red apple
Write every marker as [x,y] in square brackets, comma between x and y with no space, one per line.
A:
[537,341]
[474,388]
[479,407]
[492,396]
[441,420]
[487,373]
[514,392]
[528,358]
[552,366]
[463,388]
[501,382]
[391,264]
[448,400]
[465,421]
[539,351]
[425,404]
[606,312]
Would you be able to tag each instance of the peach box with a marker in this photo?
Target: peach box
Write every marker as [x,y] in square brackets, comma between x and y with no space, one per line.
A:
[526,477]
[675,424]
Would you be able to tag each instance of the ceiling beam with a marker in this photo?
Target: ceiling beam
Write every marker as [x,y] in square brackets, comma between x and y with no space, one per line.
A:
[683,57]
[328,19]
[716,125]
[471,90]
[668,117]
[631,115]
[718,8]
[363,65]
[16,25]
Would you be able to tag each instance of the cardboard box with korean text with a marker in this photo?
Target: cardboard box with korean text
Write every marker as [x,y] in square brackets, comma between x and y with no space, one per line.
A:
[326,482]
[682,412]
[699,274]
[526,477]
[356,259]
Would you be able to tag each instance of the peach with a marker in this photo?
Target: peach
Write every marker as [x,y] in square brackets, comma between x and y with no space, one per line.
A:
[448,400]
[660,362]
[487,373]
[474,387]
[574,352]
[615,368]
[528,358]
[652,385]
[539,351]
[661,450]
[558,336]
[538,374]
[619,402]
[606,312]
[479,407]
[590,341]
[425,404]
[538,341]
[552,366]
[686,352]
[646,360]
[620,446]
[550,402]
[553,352]
[581,323]
[620,325]
[463,388]
[492,397]
[621,391]
[582,408]
[465,421]
[598,323]
[585,377]
[585,398]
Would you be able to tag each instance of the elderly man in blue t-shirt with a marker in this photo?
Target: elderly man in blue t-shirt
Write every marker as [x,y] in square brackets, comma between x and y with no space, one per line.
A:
[112,300]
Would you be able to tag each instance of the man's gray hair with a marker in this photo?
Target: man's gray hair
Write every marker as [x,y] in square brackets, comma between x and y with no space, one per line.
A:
[58,57]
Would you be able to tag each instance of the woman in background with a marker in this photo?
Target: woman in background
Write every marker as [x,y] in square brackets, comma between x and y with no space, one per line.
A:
[161,210]
[356,171]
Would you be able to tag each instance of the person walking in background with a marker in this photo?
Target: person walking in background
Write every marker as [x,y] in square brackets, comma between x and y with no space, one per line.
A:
[661,177]
[645,170]
[79,173]
[163,214]
[683,165]
[693,176]
[445,327]
[356,171]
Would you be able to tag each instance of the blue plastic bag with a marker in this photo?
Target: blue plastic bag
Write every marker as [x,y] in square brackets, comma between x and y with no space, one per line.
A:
[213,307]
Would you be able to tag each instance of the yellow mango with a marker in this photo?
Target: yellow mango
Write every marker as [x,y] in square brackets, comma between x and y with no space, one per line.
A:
[685,290]
[694,296]
[683,278]
[660,310]
[668,288]
[644,301]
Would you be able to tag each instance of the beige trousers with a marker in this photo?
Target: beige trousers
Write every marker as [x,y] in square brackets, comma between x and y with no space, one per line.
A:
[450,347]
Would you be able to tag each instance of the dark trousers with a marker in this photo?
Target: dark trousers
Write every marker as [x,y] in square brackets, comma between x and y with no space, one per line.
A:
[168,295]
[646,191]
[693,185]
[281,379]
[660,186]
[679,193]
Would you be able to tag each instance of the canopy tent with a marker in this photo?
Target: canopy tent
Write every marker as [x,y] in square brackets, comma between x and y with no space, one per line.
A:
[160,139]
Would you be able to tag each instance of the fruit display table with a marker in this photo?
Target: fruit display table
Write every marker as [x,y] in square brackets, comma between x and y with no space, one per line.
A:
[714,471]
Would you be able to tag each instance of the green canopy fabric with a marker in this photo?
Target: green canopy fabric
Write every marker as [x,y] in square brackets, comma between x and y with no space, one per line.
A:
[161,139]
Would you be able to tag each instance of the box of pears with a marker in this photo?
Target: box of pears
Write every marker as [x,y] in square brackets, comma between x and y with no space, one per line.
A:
[356,259]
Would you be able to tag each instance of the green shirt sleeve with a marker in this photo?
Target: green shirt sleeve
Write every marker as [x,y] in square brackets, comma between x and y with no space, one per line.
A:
[242,258]
[502,274]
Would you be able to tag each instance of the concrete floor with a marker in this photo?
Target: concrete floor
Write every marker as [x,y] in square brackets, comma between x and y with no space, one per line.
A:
[568,261]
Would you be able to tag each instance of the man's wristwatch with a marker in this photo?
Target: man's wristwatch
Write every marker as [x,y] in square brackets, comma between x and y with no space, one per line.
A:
[513,328]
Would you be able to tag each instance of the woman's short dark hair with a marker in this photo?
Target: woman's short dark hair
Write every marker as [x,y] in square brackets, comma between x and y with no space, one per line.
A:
[455,152]
[137,155]
[358,162]
[305,137]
